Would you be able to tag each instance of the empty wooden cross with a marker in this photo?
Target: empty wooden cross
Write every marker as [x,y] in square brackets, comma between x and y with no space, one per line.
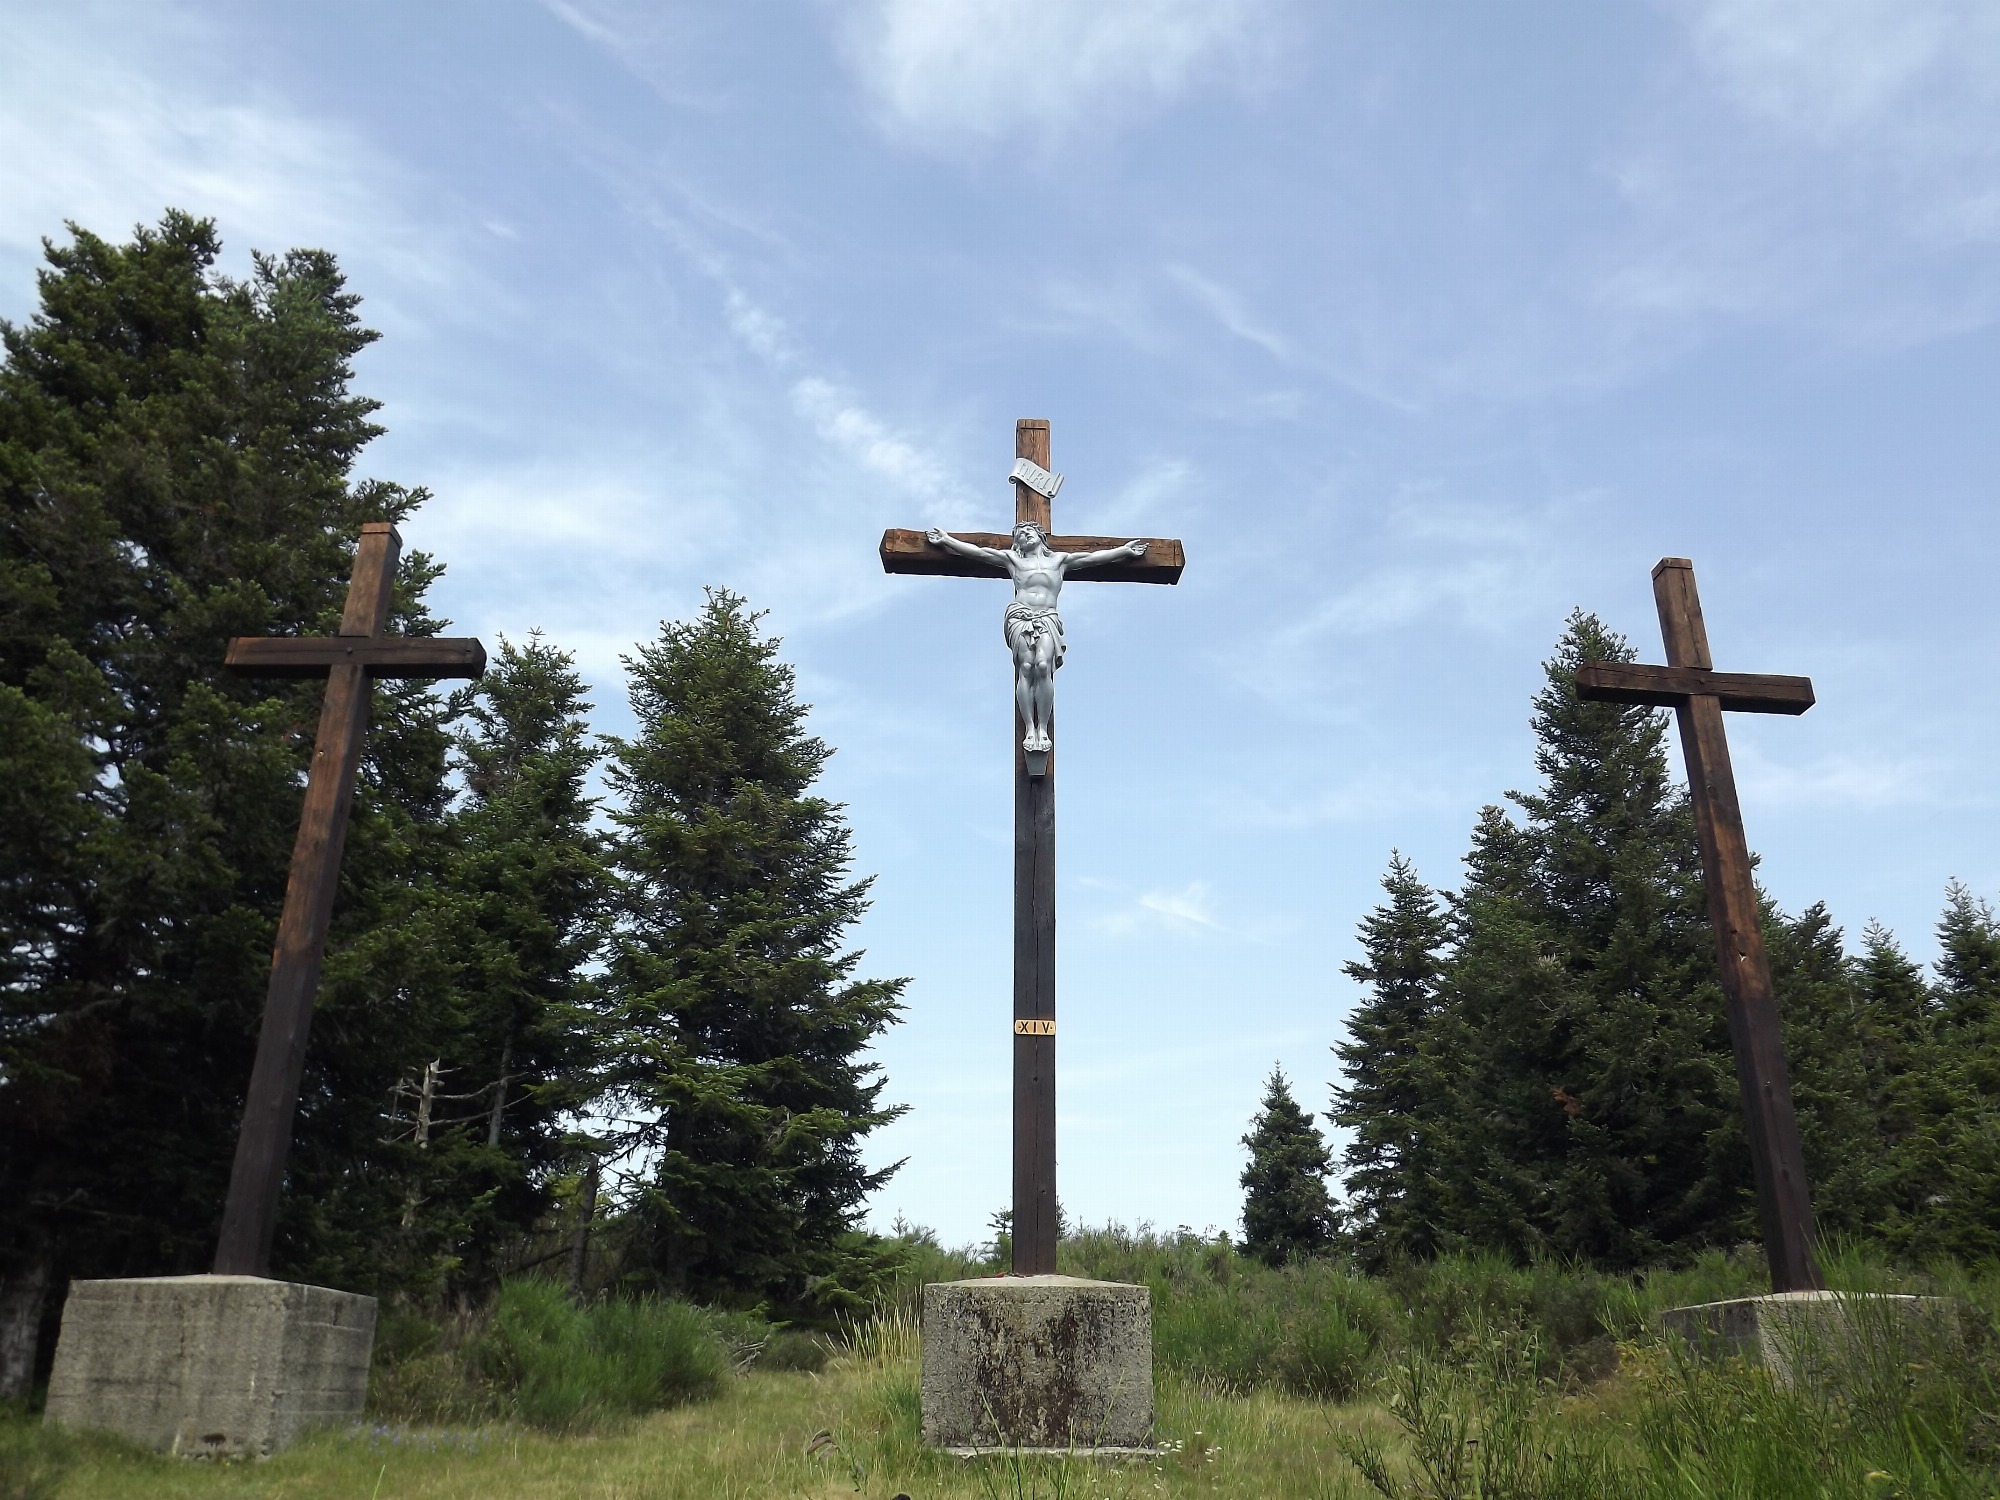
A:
[1034,842]
[1699,695]
[348,661]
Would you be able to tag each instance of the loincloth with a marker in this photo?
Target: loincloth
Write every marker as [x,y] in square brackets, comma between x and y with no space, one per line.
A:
[1024,624]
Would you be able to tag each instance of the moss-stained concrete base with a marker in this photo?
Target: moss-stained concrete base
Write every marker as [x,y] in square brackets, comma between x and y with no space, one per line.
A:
[1791,1333]
[210,1366]
[1038,1362]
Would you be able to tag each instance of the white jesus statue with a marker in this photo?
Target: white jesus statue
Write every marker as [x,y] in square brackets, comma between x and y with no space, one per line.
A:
[1033,629]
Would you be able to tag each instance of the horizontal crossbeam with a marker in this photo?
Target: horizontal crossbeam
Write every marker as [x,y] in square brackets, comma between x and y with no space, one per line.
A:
[908,552]
[382,656]
[1668,687]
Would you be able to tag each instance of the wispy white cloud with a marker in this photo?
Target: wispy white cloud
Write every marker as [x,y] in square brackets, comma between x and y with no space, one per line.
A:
[1836,161]
[730,250]
[1190,908]
[1375,794]
[1193,905]
[107,118]
[839,419]
[1831,69]
[1842,782]
[984,70]
[1172,308]
[1227,308]
[1479,564]
[1158,490]
[761,331]
[658,44]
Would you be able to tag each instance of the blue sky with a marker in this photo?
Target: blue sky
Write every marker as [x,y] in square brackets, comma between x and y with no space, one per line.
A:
[1419,324]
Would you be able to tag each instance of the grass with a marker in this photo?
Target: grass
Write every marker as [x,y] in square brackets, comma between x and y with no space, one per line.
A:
[1465,1380]
[752,1441]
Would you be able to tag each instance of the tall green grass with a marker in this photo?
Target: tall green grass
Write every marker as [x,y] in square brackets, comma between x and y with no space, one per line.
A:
[538,1358]
[572,1367]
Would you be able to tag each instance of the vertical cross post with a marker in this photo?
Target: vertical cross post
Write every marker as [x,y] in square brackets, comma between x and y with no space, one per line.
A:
[1034,955]
[1777,1158]
[1698,695]
[348,661]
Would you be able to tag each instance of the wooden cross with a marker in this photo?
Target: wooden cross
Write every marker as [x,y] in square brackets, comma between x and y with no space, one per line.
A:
[1699,695]
[1034,848]
[348,661]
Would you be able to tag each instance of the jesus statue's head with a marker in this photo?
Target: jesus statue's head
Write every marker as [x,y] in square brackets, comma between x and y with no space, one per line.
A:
[1028,535]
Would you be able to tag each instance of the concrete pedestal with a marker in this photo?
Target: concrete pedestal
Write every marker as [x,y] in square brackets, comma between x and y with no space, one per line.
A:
[1038,1363]
[1790,1333]
[210,1366]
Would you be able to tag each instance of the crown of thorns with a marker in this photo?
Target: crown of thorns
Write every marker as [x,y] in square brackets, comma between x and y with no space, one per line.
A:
[1035,526]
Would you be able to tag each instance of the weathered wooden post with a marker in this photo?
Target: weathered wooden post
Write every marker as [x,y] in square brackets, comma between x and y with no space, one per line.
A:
[1699,695]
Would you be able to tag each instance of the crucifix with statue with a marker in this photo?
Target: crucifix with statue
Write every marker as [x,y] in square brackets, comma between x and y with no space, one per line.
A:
[1035,1360]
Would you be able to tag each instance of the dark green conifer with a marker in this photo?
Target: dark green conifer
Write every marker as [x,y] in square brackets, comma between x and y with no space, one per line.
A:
[1287,1214]
[1968,966]
[1902,1096]
[1595,1070]
[1826,1028]
[1389,1097]
[517,911]
[1950,1164]
[736,1027]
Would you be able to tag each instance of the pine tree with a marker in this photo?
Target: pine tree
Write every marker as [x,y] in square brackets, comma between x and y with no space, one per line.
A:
[174,458]
[1826,1028]
[518,912]
[1953,1091]
[736,1028]
[1388,1099]
[1903,1098]
[1968,967]
[1287,1214]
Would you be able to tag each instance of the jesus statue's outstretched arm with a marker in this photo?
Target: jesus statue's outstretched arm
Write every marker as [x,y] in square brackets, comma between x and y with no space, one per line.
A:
[1075,560]
[951,543]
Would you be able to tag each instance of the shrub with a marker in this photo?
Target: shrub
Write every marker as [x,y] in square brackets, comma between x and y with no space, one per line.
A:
[420,1372]
[1325,1356]
[792,1349]
[754,1342]
[571,1367]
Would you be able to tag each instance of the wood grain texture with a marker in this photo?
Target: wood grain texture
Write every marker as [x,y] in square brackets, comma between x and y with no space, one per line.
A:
[1031,441]
[382,656]
[1668,687]
[905,551]
[1784,1199]
[1034,1000]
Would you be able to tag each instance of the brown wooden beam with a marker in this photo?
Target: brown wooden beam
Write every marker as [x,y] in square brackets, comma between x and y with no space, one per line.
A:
[382,656]
[1034,1000]
[907,552]
[1669,687]
[1784,1202]
[257,1176]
